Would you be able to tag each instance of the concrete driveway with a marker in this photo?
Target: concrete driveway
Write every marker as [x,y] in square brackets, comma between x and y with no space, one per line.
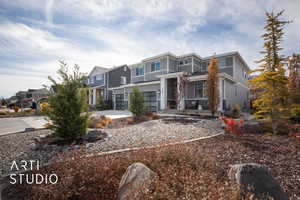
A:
[113,114]
[18,124]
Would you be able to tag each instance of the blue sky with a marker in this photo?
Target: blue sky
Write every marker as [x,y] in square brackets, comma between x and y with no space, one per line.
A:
[35,34]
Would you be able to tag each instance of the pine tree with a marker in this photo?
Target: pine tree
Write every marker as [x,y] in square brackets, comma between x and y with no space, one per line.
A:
[271,83]
[136,103]
[68,106]
[213,86]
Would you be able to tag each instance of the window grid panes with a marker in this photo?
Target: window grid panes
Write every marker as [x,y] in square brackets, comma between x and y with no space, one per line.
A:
[139,71]
[155,66]
[200,89]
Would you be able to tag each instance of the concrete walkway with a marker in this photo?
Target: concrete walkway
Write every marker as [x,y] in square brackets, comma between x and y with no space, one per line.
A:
[18,124]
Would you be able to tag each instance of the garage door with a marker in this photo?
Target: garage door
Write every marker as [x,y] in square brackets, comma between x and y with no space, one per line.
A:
[119,101]
[150,101]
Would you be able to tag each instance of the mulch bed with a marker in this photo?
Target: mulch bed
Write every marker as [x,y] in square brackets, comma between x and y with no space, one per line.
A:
[280,153]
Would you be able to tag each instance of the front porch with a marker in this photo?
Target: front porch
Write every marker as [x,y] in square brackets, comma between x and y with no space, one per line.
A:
[194,96]
[95,94]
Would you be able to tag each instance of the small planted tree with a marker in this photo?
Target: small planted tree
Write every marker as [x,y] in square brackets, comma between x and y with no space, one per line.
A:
[68,106]
[213,86]
[136,103]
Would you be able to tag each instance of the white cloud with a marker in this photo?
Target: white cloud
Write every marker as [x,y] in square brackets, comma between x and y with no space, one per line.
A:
[144,28]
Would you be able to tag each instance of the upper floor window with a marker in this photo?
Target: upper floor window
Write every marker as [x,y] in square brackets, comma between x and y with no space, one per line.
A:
[200,89]
[92,80]
[123,80]
[185,62]
[139,71]
[99,77]
[155,66]
[204,66]
[222,63]
[225,62]
[125,69]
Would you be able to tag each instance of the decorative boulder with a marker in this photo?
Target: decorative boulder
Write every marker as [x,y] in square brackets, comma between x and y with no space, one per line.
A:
[257,181]
[94,135]
[137,178]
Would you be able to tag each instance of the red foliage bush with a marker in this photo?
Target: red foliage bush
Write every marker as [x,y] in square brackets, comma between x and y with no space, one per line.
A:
[233,126]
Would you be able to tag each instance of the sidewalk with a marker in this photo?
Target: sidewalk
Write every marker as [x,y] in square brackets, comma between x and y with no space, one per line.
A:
[19,124]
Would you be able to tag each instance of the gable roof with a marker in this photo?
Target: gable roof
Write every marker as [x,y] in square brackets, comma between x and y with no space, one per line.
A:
[232,53]
[98,69]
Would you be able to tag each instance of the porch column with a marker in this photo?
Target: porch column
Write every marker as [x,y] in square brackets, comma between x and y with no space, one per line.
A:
[163,93]
[90,97]
[220,96]
[94,96]
[181,103]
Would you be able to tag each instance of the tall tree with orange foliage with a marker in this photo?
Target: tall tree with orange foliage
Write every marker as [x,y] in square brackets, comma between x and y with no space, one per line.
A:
[213,86]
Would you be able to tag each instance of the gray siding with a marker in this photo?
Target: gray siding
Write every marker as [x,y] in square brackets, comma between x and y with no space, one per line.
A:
[228,70]
[114,76]
[197,65]
[239,70]
[152,76]
[145,88]
[236,94]
[134,78]
[172,65]
[185,67]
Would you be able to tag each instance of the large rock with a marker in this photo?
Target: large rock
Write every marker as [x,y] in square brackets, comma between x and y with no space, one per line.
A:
[137,178]
[257,181]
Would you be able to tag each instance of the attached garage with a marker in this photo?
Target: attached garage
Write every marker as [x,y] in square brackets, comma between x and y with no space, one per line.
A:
[120,102]
[150,101]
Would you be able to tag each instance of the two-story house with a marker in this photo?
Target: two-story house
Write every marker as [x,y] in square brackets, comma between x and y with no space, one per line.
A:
[101,79]
[158,77]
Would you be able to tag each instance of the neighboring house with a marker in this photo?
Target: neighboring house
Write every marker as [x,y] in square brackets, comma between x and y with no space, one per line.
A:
[101,79]
[38,94]
[157,78]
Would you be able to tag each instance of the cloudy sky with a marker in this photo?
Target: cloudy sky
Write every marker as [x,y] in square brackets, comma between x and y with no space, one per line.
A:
[35,34]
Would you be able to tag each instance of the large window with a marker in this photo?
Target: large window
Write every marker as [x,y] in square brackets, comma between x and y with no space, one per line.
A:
[155,66]
[99,77]
[204,66]
[123,80]
[185,62]
[200,89]
[225,62]
[139,71]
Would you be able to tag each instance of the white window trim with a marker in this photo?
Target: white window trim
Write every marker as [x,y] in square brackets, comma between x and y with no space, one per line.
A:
[155,70]
[122,80]
[134,71]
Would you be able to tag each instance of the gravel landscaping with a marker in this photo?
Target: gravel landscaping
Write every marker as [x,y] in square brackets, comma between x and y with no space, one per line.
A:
[15,147]
[156,132]
[20,146]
